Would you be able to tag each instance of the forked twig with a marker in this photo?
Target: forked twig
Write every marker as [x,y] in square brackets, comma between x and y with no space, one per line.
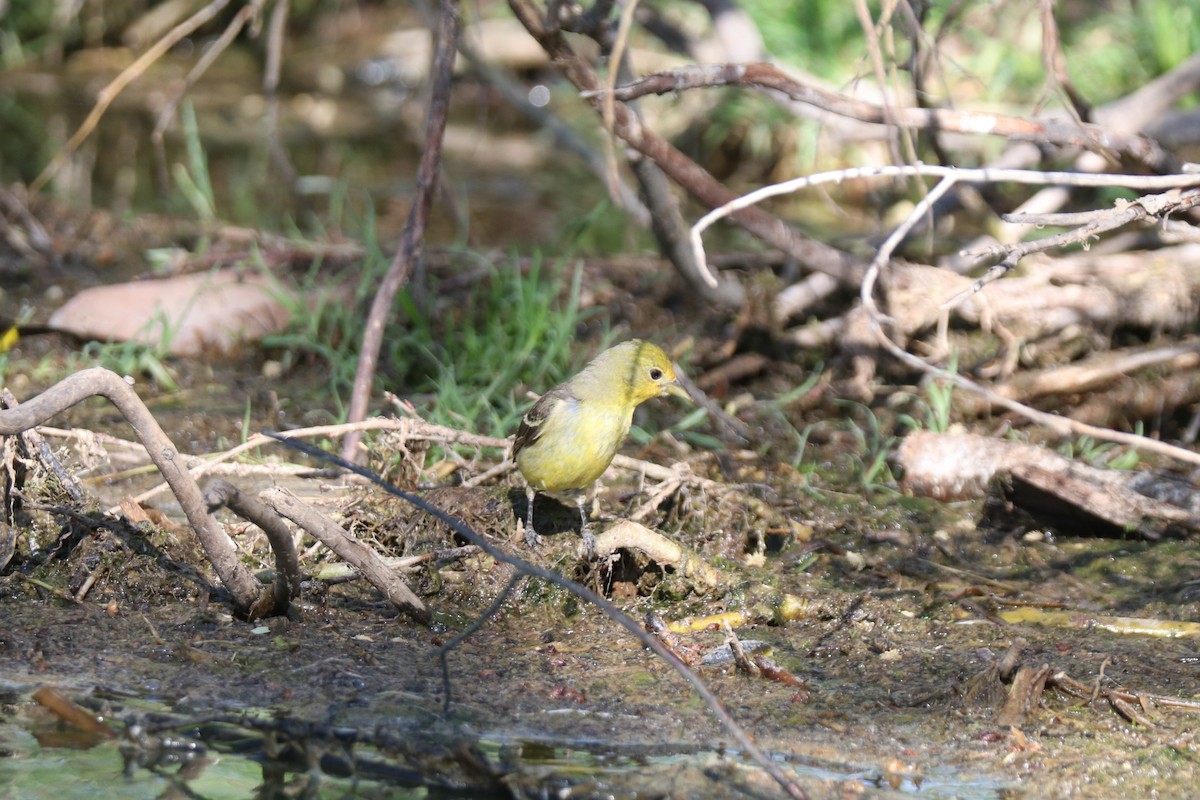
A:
[220,493]
[349,549]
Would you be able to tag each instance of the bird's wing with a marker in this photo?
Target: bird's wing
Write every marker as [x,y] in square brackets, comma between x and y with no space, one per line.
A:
[531,423]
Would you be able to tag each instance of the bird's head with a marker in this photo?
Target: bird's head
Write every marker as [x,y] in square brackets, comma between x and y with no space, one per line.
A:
[650,372]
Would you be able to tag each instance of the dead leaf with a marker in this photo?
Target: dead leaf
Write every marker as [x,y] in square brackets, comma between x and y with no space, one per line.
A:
[194,314]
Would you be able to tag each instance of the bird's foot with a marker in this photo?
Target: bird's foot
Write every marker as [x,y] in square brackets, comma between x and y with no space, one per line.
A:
[589,543]
[533,539]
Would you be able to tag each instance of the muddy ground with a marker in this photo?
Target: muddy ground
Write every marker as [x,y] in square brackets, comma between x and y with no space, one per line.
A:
[892,674]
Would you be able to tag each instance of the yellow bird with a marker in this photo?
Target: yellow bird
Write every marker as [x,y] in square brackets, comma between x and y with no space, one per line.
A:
[571,434]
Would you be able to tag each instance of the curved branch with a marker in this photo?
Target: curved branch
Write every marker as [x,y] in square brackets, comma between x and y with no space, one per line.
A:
[249,596]
[220,492]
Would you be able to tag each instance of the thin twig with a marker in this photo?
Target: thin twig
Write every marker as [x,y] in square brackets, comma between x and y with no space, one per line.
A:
[1023,176]
[117,85]
[209,55]
[413,238]
[276,31]
[469,631]
[608,111]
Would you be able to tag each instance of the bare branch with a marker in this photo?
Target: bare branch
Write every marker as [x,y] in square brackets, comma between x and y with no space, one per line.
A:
[349,549]
[413,237]
[692,177]
[251,598]
[766,76]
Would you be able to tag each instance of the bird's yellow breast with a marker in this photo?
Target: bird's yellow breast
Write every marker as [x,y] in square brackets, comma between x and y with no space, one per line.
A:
[576,444]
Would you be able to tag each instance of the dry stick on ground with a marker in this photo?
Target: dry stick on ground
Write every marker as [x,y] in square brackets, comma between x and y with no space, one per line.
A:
[128,75]
[222,493]
[1027,684]
[954,466]
[249,596]
[413,238]
[525,568]
[632,536]
[340,572]
[349,549]
[686,173]
[1101,371]
[1145,290]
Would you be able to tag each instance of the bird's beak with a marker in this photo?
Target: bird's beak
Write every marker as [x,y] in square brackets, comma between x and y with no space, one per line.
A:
[677,390]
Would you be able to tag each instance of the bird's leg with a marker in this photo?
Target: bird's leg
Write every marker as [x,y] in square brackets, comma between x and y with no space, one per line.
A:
[584,500]
[593,502]
[531,537]
[585,528]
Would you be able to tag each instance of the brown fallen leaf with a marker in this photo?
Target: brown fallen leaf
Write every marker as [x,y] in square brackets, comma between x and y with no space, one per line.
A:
[194,314]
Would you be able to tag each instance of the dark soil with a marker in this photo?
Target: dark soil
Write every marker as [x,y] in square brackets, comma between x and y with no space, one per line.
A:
[895,653]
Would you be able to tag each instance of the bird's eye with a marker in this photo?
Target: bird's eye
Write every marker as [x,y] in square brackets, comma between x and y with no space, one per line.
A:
[656,374]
